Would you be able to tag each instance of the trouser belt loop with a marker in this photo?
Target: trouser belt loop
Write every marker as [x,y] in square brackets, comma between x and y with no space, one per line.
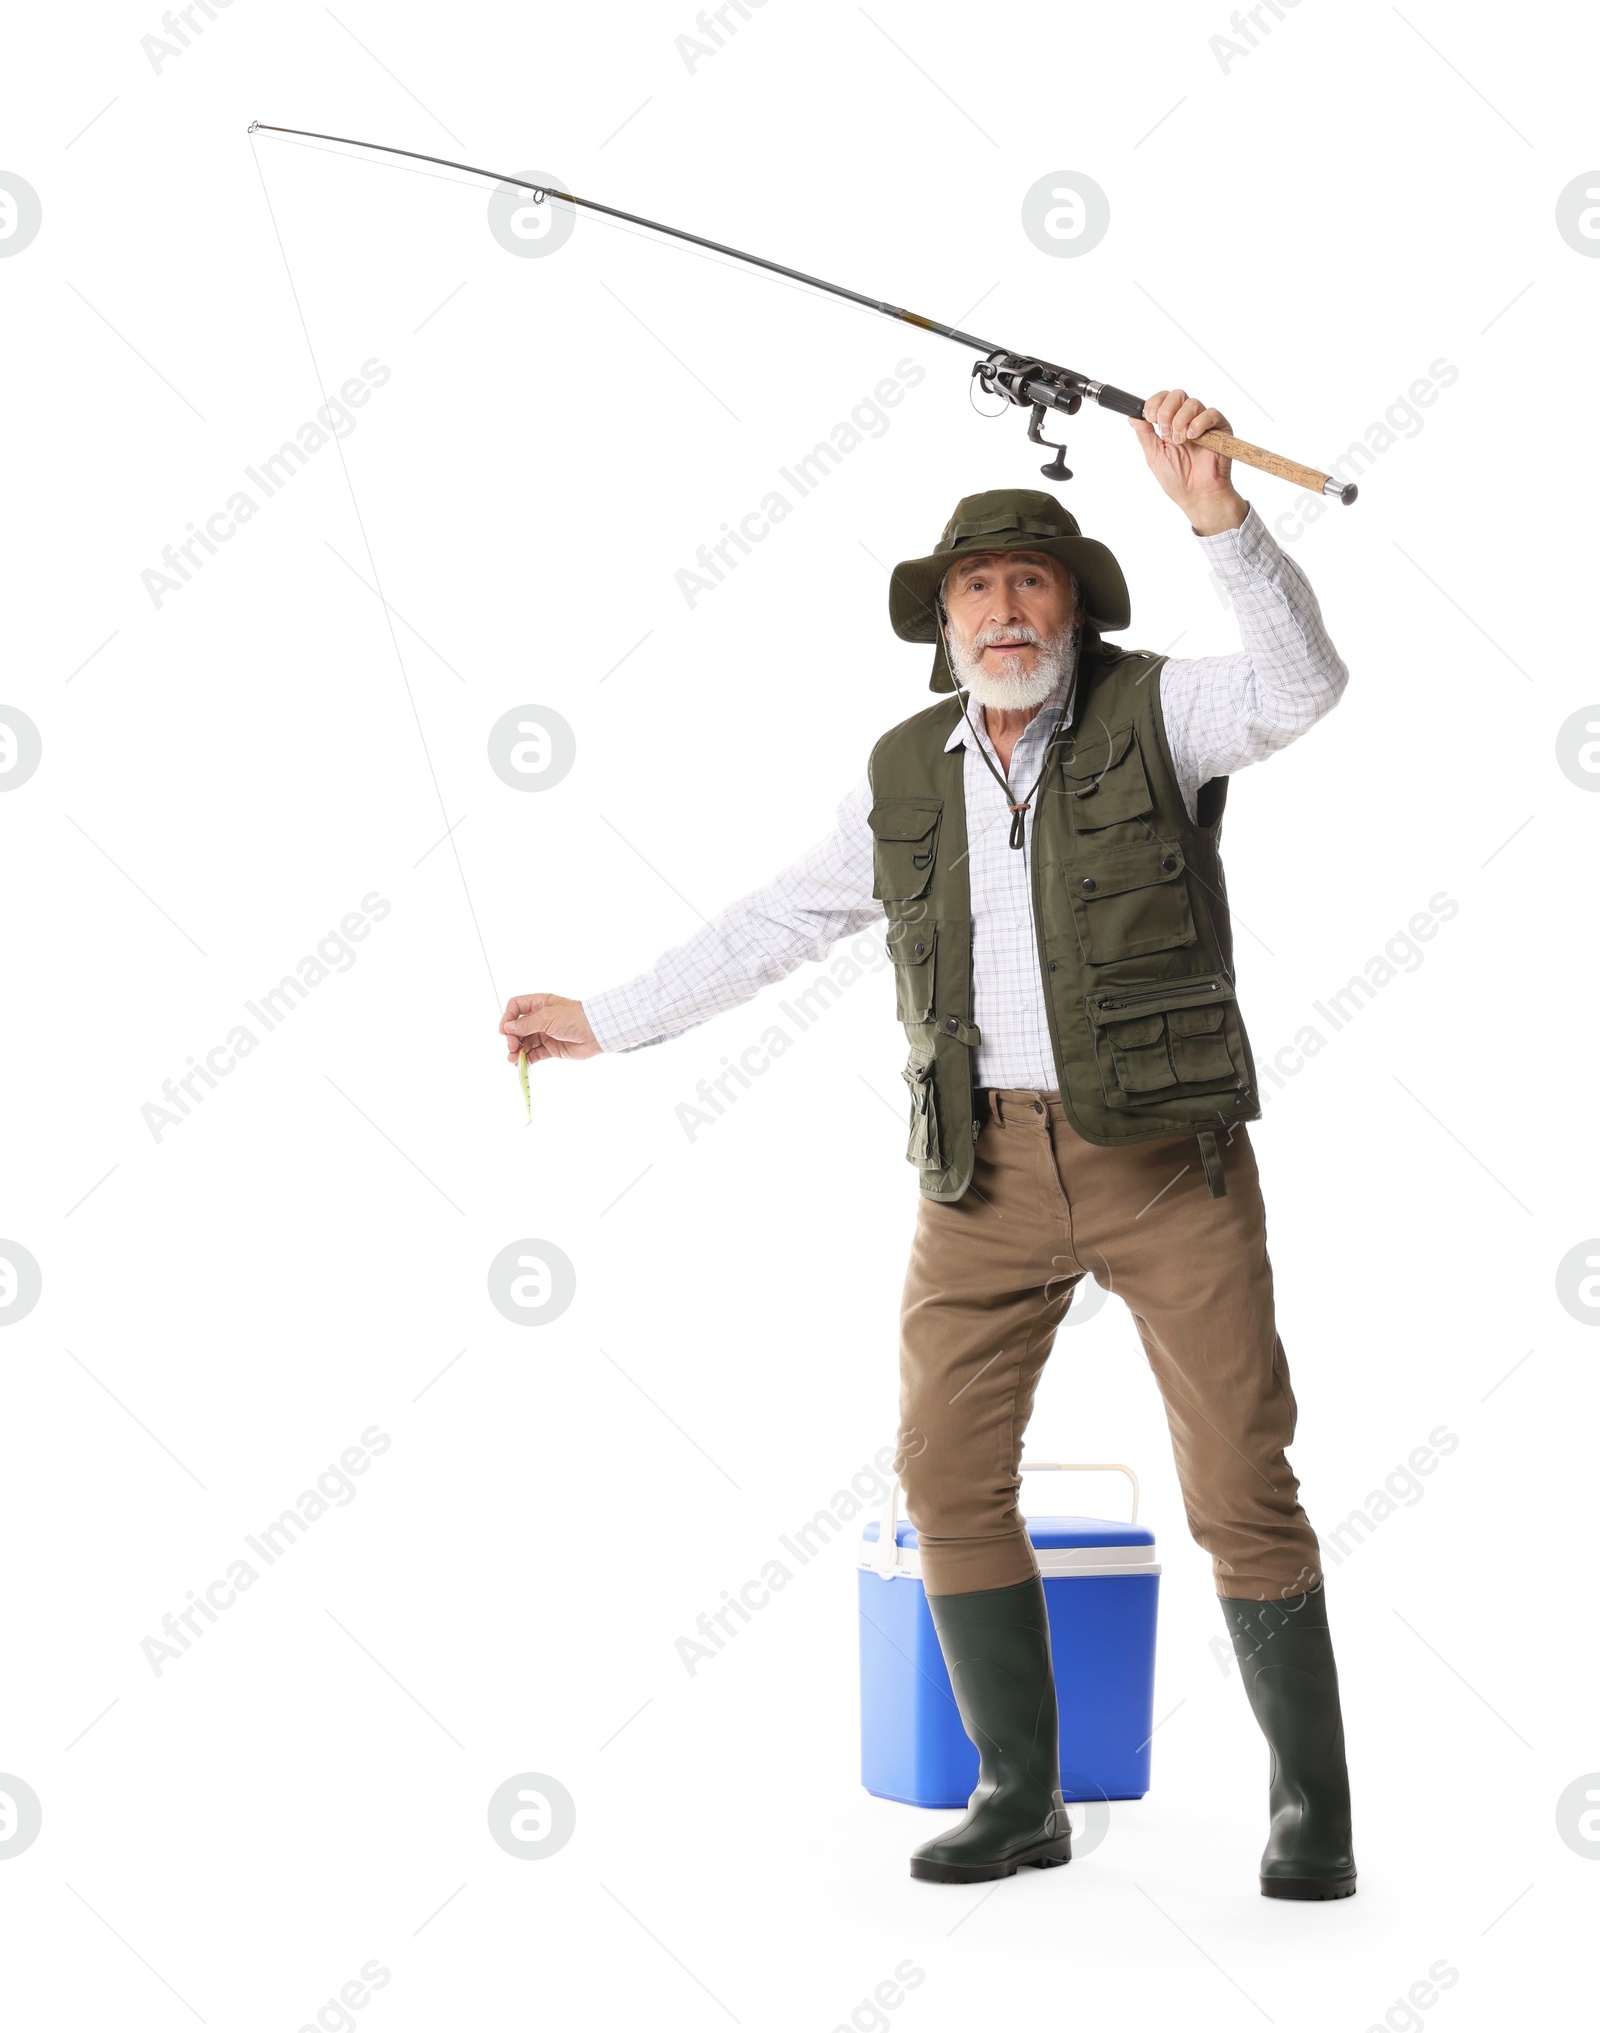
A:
[1211,1157]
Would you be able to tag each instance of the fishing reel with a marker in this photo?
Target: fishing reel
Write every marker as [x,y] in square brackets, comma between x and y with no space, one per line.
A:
[1034,385]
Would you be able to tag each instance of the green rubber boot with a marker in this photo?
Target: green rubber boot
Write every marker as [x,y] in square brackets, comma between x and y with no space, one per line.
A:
[996,1643]
[1286,1657]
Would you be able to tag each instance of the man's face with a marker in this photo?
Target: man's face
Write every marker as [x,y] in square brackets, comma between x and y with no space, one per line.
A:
[1010,613]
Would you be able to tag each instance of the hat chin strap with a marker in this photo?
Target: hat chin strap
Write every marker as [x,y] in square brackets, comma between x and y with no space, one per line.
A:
[1017,810]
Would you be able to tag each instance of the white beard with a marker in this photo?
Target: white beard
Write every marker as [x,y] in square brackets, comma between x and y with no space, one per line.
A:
[1010,688]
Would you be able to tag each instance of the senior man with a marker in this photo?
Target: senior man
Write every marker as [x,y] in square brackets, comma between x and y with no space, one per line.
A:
[1044,846]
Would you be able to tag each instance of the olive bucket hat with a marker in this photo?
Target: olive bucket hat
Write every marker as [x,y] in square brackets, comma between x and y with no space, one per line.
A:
[1004,519]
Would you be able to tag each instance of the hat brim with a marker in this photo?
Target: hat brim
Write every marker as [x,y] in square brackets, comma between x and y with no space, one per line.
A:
[914,584]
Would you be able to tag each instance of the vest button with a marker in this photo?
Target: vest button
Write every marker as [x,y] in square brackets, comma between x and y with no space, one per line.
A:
[950,1024]
[1088,884]
[1052,967]
[1170,863]
[919,949]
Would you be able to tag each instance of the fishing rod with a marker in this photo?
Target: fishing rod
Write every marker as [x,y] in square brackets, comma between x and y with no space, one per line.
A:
[1020,378]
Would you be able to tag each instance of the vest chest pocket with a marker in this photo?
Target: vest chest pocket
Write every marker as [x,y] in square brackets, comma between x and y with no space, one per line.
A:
[1132,902]
[1104,778]
[1155,1044]
[905,832]
[911,945]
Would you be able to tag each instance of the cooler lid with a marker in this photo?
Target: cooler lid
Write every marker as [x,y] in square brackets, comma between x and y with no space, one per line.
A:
[1057,1531]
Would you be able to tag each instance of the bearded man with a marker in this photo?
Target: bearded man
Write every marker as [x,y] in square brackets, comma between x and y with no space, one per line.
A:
[1044,847]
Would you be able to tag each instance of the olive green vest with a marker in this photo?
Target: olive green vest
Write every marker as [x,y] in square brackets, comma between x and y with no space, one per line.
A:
[1131,911]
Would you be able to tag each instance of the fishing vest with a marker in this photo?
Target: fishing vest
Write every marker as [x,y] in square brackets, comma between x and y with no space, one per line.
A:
[1131,911]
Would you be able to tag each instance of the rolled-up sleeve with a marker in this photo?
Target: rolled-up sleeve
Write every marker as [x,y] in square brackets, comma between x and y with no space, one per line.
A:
[1224,712]
[824,896]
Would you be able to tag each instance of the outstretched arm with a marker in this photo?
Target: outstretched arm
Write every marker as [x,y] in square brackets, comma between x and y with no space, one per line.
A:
[824,896]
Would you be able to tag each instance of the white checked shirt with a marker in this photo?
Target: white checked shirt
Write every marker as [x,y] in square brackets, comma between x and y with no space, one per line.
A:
[1221,713]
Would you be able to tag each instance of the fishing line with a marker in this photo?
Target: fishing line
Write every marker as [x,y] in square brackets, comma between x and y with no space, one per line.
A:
[405,676]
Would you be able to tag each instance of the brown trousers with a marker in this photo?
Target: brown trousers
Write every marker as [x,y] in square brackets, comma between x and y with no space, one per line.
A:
[990,1280]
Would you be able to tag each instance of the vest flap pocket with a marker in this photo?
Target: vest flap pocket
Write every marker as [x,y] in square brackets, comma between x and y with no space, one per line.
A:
[1094,750]
[923,1146]
[904,818]
[911,947]
[1104,776]
[1184,1023]
[1130,868]
[1157,1042]
[1132,902]
[905,832]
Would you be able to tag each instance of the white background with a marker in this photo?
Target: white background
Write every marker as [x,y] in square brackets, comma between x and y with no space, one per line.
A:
[1296,237]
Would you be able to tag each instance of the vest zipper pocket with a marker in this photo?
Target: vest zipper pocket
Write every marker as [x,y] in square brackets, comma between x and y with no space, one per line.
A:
[1173,995]
[1159,1044]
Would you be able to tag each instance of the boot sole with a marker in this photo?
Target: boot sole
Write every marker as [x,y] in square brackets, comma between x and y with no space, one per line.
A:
[1041,1859]
[1307,1888]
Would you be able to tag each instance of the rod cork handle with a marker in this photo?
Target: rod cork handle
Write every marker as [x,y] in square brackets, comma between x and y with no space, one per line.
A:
[1275,463]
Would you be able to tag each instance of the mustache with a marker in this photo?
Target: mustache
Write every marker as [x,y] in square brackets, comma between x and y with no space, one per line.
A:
[1022,637]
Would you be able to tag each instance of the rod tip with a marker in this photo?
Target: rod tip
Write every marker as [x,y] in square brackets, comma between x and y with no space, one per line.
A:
[254,124]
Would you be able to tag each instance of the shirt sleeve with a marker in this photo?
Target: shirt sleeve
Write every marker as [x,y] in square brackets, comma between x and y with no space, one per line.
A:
[824,896]
[1223,712]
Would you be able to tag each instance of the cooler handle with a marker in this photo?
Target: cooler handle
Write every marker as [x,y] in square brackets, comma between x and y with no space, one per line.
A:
[886,1560]
[1119,1467]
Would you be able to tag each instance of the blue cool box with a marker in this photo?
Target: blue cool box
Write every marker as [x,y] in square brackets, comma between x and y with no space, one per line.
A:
[1100,1583]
